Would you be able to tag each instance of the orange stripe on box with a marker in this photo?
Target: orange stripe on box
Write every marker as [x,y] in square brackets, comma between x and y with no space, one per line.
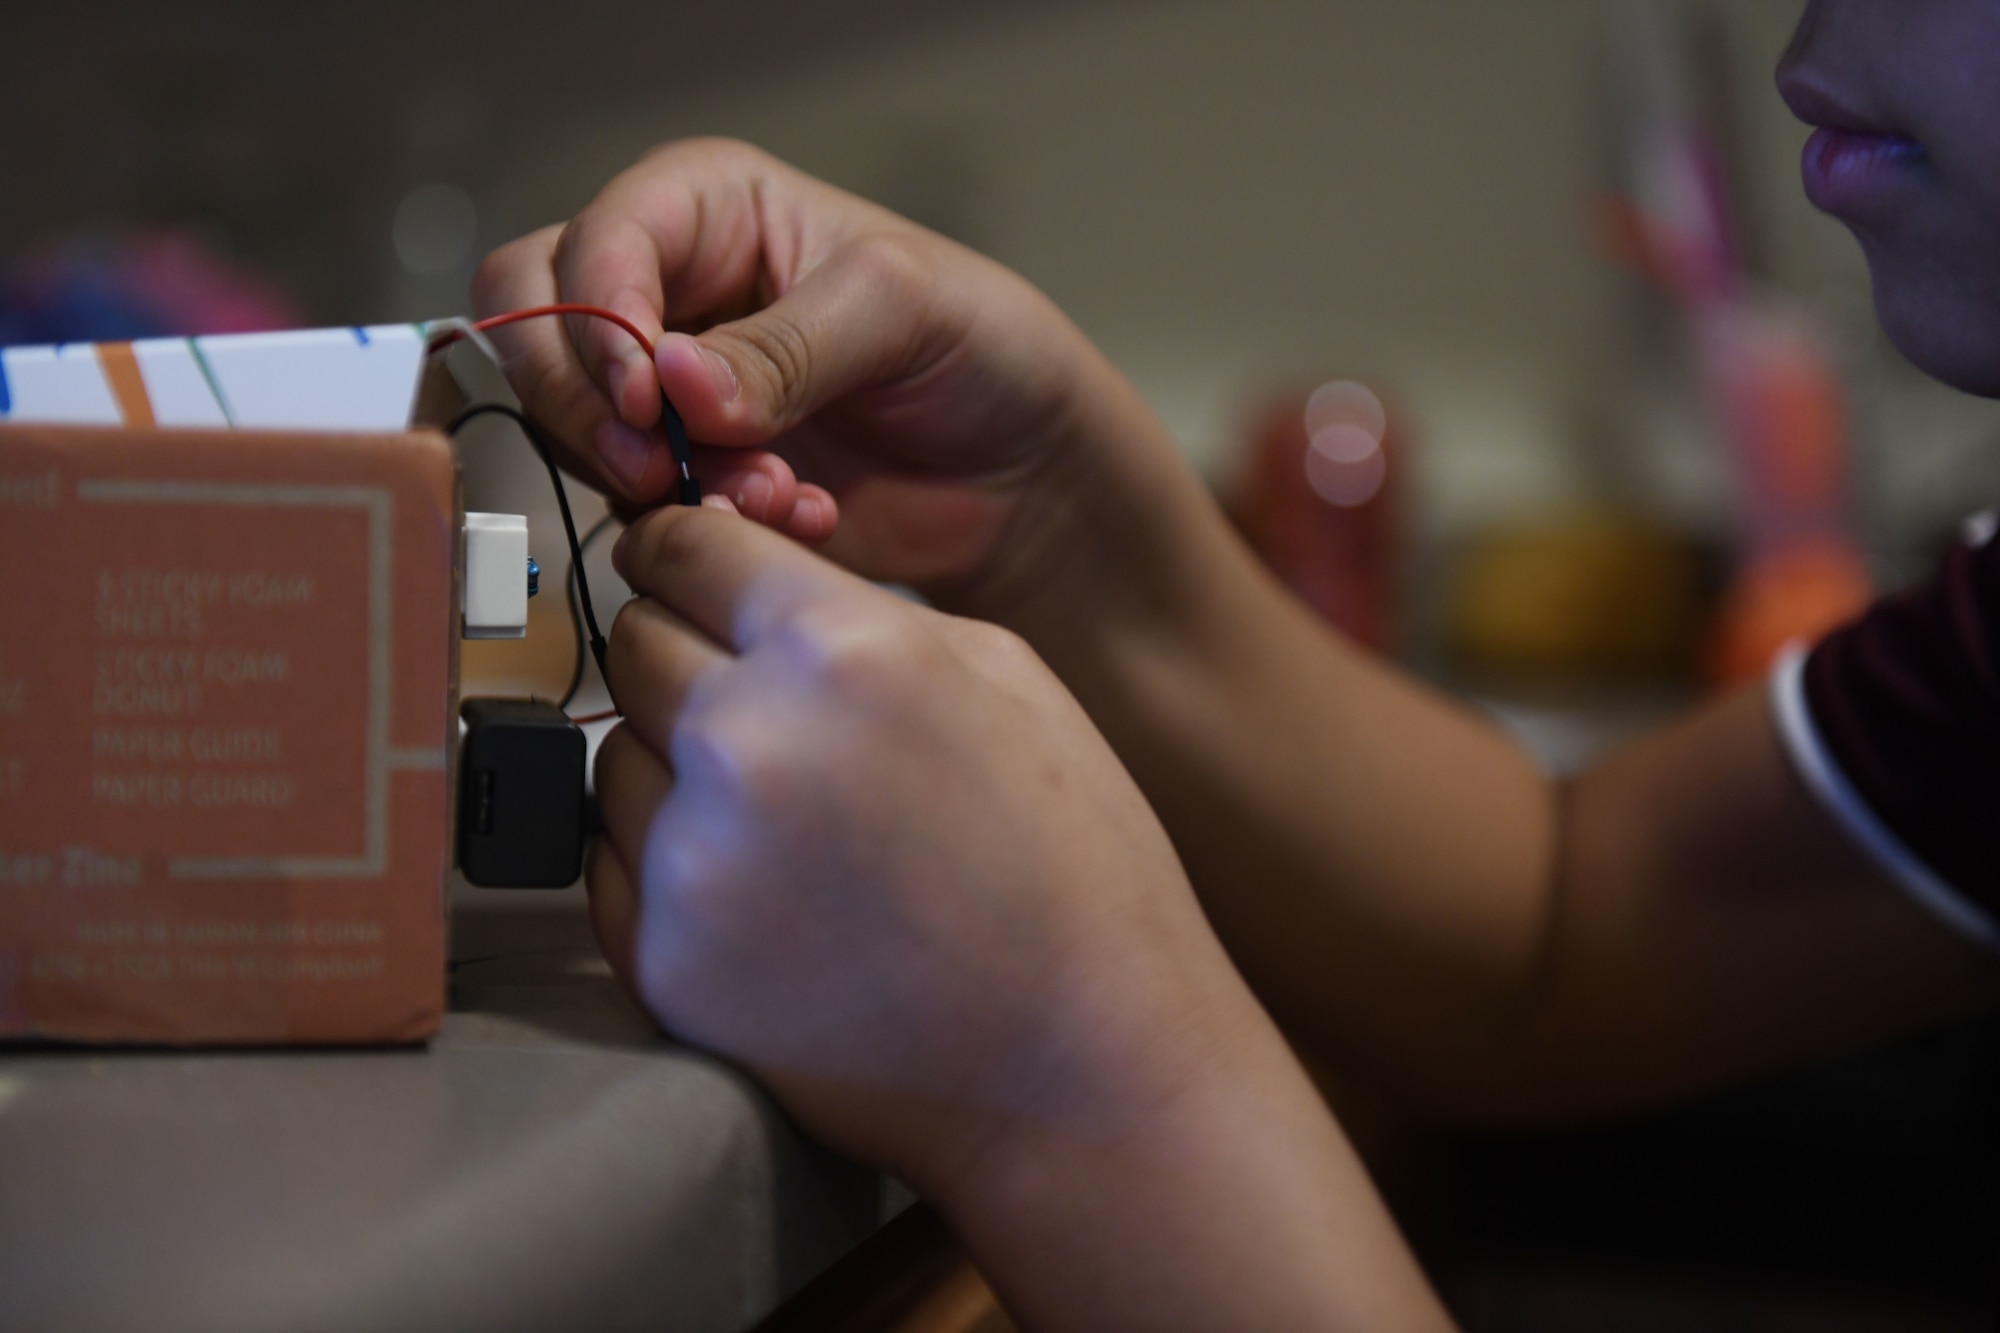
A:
[128,386]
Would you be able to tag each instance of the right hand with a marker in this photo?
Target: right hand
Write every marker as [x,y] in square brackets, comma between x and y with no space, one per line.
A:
[930,393]
[879,857]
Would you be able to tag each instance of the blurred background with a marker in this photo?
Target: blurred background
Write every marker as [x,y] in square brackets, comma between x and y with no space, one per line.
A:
[1502,329]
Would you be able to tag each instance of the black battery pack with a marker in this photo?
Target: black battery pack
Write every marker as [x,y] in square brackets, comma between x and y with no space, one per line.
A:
[520,795]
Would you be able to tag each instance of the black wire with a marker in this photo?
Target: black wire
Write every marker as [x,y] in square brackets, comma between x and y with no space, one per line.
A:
[683,451]
[539,439]
[576,610]
[579,580]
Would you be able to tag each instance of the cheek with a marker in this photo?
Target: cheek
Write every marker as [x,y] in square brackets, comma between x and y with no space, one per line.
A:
[1942,73]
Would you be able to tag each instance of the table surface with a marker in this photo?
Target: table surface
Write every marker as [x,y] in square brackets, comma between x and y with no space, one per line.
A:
[547,1162]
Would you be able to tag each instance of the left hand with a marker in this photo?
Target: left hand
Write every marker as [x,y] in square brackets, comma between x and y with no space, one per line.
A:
[952,430]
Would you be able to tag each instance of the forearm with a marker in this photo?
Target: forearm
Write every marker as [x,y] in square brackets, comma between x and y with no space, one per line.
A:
[1377,859]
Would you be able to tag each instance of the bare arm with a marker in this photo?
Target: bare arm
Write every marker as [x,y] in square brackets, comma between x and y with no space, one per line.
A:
[1405,889]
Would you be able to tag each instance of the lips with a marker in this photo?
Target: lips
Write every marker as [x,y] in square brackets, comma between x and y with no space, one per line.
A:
[1846,171]
[1855,159]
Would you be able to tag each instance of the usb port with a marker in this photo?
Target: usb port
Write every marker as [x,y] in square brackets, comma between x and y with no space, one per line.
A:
[482,803]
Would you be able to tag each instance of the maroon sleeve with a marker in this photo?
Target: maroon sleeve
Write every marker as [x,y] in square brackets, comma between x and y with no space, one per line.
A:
[1907,702]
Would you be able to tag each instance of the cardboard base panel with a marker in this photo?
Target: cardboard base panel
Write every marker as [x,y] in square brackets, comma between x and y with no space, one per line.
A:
[226,734]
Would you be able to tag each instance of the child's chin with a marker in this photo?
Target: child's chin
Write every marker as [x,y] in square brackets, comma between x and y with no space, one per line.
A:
[1951,335]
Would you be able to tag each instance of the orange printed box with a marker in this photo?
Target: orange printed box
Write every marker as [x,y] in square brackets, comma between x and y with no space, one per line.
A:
[226,728]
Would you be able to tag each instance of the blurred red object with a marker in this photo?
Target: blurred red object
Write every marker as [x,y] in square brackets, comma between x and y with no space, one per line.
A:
[1318,498]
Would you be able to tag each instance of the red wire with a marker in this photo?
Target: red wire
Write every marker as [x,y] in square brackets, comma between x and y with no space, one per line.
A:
[595,717]
[563,308]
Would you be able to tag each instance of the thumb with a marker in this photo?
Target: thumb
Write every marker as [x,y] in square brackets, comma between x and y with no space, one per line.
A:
[866,316]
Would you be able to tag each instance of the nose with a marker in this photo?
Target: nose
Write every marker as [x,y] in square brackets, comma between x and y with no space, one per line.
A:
[1802,36]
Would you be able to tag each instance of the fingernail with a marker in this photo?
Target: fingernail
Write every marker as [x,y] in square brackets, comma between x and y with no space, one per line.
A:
[636,369]
[721,502]
[753,495]
[724,374]
[626,452]
[618,549]
[615,376]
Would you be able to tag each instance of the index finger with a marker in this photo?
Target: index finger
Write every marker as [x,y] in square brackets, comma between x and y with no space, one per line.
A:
[732,579]
[540,359]
[609,259]
[676,241]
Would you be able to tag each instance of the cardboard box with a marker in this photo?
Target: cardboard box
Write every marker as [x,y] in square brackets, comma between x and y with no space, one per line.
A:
[227,689]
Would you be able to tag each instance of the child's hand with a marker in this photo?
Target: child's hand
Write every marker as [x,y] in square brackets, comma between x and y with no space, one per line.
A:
[933,392]
[881,857]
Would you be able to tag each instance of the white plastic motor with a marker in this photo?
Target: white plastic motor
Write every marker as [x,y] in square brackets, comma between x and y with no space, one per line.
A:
[496,577]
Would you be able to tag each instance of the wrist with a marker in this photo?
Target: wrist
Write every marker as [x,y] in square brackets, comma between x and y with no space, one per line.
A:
[1231,1200]
[1112,537]
[1118,1115]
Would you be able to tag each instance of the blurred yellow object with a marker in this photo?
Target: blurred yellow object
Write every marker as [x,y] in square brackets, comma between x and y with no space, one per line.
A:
[1582,597]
